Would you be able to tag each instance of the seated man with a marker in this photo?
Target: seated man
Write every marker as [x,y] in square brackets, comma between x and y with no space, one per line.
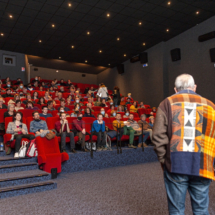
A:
[30,106]
[38,126]
[50,105]
[7,94]
[78,128]
[118,126]
[77,94]
[62,127]
[98,129]
[45,113]
[90,101]
[63,104]
[89,105]
[77,101]
[62,83]
[147,130]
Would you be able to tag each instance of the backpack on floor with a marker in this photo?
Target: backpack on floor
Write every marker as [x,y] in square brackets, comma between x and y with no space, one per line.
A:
[108,142]
[32,149]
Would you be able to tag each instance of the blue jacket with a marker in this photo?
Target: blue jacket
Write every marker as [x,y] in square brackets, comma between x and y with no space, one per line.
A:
[46,116]
[96,127]
[35,126]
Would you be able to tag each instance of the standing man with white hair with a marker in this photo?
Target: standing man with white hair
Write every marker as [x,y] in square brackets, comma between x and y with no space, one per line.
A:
[184,139]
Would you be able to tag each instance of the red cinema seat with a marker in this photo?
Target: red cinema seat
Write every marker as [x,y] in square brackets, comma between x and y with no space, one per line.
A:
[2,111]
[88,124]
[29,119]
[95,108]
[26,112]
[49,155]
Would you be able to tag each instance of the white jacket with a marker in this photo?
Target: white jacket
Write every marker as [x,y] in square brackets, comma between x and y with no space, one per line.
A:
[103,92]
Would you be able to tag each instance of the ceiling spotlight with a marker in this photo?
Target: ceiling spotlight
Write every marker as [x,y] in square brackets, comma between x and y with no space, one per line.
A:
[197,12]
[100,51]
[85,61]
[2,34]
[11,16]
[108,15]
[118,38]
[169,3]
[144,44]
[56,70]
[88,33]
[140,23]
[167,30]
[53,25]
[40,41]
[109,64]
[124,55]
[70,5]
[72,47]
[59,57]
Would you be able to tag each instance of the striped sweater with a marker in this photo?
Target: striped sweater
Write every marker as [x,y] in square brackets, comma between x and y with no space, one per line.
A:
[184,134]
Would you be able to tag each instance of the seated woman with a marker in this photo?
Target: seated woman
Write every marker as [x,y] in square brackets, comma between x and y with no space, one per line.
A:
[10,112]
[133,107]
[113,114]
[76,110]
[111,110]
[41,101]
[69,100]
[47,97]
[142,105]
[98,102]
[102,111]
[13,101]
[120,108]
[87,113]
[30,106]
[103,104]
[51,90]
[127,113]
[35,96]
[20,87]
[41,88]
[19,130]
[151,121]
[28,99]
[61,110]
[18,105]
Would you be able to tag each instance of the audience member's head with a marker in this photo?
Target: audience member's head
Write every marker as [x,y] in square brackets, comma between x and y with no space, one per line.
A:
[118,116]
[131,116]
[36,115]
[185,82]
[151,120]
[45,110]
[29,105]
[17,116]
[18,103]
[11,108]
[88,111]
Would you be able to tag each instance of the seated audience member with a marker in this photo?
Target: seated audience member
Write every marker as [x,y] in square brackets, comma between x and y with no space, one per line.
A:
[2,105]
[38,126]
[98,102]
[35,79]
[41,101]
[20,87]
[129,96]
[13,101]
[103,104]
[28,99]
[77,101]
[36,84]
[91,92]
[111,110]
[44,85]
[151,121]
[45,113]
[62,127]
[47,97]
[87,113]
[69,83]
[62,83]
[133,107]
[78,128]
[98,129]
[102,112]
[18,82]
[9,85]
[62,89]
[50,105]
[59,96]
[147,130]
[18,105]
[10,111]
[126,115]
[118,126]
[6,80]
[68,100]
[142,105]
[51,89]
[77,94]
[19,130]
[40,88]
[61,110]
[35,96]
[30,106]
[131,129]
[154,109]
[63,104]
[128,101]
[2,90]
[89,105]
[7,94]
[23,93]
[113,114]
[90,100]
[120,108]
[29,87]
[111,101]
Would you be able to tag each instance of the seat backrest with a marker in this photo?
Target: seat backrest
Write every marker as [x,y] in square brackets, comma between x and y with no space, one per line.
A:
[96,108]
[88,123]
[51,122]
[26,112]
[108,122]
[2,111]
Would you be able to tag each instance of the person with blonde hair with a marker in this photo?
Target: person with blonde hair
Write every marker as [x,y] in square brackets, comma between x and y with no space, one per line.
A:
[15,98]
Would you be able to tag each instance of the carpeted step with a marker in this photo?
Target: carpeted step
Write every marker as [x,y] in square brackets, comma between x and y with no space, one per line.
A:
[26,189]
[6,160]
[24,177]
[18,167]
[3,153]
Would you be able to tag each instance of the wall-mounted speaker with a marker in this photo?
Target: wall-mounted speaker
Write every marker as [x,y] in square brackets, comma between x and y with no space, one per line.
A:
[120,68]
[35,69]
[144,58]
[175,54]
[83,75]
[212,54]
[207,36]
[135,59]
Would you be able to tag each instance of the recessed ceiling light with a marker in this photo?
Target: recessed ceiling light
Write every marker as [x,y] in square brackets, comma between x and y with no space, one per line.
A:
[72,47]
[140,23]
[169,3]
[85,61]
[40,41]
[167,30]
[124,55]
[144,44]
[109,64]
[100,51]
[70,5]
[53,25]
[197,12]
[11,16]
[108,15]
[2,34]
[56,70]
[59,57]
[88,32]
[118,38]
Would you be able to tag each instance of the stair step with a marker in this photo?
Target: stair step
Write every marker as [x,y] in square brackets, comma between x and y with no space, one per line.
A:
[5,160]
[18,167]
[25,177]
[26,189]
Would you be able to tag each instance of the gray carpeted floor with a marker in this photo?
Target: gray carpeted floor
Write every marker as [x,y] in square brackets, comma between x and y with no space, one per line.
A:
[135,189]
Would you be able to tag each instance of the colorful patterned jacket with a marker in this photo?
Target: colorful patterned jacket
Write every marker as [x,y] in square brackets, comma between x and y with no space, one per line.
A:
[184,134]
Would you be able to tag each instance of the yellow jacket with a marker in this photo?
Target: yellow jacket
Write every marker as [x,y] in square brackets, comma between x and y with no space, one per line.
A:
[117,124]
[133,109]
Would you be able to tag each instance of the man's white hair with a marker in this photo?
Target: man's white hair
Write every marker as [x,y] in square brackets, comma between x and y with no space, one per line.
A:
[184,81]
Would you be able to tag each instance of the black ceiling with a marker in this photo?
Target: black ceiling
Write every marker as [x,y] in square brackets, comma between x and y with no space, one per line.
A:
[32,21]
